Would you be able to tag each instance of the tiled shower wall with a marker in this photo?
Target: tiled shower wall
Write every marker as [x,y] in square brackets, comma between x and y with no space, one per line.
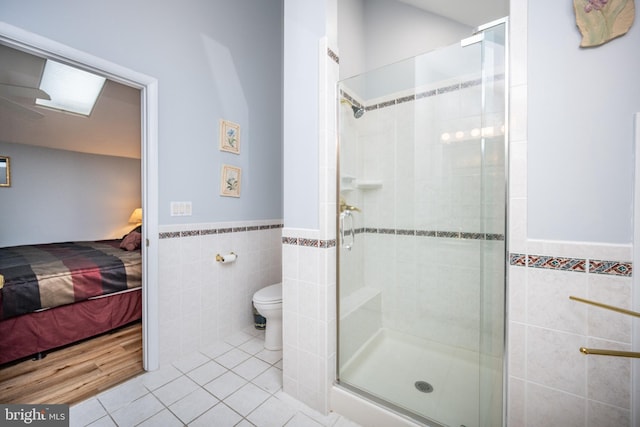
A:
[428,202]
[420,163]
[201,300]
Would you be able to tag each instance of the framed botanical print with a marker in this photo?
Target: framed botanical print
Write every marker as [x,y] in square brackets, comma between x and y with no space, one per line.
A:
[231,181]
[229,136]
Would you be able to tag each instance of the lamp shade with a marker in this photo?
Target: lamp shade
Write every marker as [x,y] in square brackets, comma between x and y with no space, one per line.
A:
[136,216]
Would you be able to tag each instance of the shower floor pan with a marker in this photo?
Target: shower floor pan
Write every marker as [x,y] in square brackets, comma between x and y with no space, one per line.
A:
[391,363]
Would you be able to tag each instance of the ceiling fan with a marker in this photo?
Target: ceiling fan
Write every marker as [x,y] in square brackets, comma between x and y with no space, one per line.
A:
[9,92]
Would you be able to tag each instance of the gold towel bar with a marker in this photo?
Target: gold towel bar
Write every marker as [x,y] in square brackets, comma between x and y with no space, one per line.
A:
[608,307]
[603,352]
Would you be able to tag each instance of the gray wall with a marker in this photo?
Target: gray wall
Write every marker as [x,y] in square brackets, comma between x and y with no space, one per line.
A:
[377,20]
[58,195]
[374,33]
[580,116]
[213,59]
[351,41]
[305,21]
[580,121]
[395,31]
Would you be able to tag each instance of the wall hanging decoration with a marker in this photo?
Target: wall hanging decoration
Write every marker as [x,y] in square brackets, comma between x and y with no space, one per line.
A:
[231,182]
[600,21]
[229,136]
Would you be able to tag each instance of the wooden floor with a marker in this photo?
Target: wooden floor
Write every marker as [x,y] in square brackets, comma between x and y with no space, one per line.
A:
[77,372]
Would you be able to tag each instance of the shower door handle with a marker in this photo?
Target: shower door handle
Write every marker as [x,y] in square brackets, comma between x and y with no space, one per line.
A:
[350,232]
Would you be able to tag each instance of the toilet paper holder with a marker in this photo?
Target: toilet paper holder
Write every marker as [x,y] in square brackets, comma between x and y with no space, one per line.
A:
[230,257]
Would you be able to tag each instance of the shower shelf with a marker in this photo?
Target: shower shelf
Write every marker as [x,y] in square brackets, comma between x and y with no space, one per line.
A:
[369,184]
[357,299]
[346,182]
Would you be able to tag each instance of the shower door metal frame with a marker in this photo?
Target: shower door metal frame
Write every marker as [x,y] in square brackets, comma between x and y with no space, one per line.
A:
[363,394]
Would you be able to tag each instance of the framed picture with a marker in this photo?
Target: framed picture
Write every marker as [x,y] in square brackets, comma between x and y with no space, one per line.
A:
[231,181]
[229,136]
[5,172]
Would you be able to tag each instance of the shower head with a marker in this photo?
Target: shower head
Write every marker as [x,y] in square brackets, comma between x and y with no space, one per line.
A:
[358,110]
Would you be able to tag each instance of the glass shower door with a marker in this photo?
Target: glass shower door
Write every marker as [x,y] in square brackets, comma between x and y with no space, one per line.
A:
[422,224]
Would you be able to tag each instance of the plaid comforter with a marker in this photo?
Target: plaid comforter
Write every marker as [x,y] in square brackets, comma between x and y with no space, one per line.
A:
[45,276]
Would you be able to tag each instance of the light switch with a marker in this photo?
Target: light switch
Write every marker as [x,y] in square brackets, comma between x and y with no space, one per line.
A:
[181,209]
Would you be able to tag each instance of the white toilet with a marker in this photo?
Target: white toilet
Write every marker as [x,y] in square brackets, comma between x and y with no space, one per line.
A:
[268,302]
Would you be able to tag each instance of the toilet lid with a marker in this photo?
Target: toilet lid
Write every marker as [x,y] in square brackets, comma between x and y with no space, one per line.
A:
[271,293]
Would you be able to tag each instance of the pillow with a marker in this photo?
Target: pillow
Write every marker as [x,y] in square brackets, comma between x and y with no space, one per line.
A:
[138,229]
[131,241]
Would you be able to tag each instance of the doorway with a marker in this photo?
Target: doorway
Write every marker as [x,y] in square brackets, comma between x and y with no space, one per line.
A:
[32,43]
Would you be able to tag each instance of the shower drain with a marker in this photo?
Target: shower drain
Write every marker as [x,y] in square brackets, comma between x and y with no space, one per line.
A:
[424,386]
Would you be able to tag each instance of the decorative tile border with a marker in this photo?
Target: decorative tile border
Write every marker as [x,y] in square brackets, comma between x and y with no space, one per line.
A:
[579,265]
[352,100]
[169,235]
[475,82]
[209,231]
[557,263]
[611,267]
[405,99]
[450,88]
[425,94]
[518,260]
[310,243]
[576,265]
[433,233]
[314,243]
[290,240]
[333,56]
[325,244]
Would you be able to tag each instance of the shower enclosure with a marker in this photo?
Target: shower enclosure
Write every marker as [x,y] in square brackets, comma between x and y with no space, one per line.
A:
[421,267]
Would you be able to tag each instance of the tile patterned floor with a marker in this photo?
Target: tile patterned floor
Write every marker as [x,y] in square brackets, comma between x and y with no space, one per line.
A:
[234,382]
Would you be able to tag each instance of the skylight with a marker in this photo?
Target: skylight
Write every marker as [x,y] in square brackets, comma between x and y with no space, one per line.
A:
[71,89]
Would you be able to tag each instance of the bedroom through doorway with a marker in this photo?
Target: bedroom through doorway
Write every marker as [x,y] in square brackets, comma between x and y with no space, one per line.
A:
[126,111]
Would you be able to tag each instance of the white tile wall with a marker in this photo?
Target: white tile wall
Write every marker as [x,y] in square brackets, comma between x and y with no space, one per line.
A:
[549,381]
[547,329]
[309,321]
[201,300]
[309,275]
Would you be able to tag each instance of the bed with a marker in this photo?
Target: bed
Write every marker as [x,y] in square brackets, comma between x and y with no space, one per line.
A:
[55,294]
